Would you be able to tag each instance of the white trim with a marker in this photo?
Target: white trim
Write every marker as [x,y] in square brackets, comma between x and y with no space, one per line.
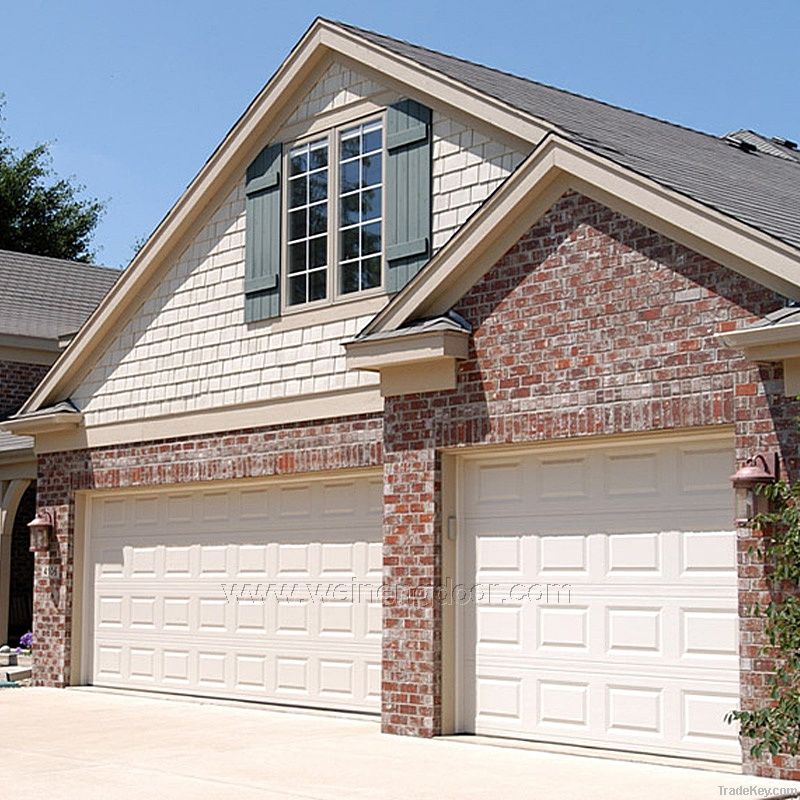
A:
[362,400]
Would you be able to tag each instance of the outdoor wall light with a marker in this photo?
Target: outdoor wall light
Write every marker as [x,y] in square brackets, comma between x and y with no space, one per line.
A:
[761,469]
[40,527]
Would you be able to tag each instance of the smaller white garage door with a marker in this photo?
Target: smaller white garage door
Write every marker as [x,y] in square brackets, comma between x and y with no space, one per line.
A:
[171,573]
[639,651]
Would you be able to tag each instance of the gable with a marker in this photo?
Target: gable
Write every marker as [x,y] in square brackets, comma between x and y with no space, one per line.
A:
[591,307]
[186,349]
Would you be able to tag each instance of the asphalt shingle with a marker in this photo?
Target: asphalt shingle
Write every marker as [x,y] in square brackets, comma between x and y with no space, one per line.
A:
[48,297]
[753,187]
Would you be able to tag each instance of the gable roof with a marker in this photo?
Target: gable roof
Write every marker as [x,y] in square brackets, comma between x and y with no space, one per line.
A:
[529,112]
[46,297]
[760,191]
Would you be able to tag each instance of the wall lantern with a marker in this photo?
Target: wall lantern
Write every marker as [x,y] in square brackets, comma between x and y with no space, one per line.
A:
[41,526]
[761,469]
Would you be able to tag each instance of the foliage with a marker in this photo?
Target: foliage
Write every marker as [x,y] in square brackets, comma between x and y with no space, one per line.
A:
[775,728]
[39,212]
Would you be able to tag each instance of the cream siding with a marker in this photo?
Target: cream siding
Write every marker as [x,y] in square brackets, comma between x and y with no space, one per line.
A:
[187,347]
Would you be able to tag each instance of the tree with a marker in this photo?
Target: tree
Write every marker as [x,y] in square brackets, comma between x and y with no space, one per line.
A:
[39,212]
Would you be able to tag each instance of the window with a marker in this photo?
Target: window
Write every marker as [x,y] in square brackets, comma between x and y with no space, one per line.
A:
[354,206]
[308,222]
[360,183]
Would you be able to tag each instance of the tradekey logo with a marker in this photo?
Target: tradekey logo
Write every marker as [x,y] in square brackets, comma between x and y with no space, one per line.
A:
[355,591]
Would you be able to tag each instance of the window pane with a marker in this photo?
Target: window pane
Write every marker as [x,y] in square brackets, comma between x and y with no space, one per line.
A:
[350,244]
[316,285]
[350,277]
[371,173]
[371,239]
[371,272]
[350,172]
[298,163]
[318,157]
[297,289]
[318,187]
[297,192]
[360,210]
[318,252]
[349,210]
[297,224]
[297,257]
[372,140]
[317,219]
[350,145]
[371,204]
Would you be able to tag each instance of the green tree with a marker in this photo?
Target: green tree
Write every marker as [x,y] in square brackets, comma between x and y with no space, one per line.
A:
[41,213]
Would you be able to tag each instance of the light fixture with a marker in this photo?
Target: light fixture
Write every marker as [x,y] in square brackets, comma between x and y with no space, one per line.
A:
[758,470]
[40,527]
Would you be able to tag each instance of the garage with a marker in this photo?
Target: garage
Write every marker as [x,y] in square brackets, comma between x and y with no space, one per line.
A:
[605,585]
[255,591]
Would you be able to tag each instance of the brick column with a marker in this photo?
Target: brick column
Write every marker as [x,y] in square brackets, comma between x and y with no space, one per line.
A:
[412,563]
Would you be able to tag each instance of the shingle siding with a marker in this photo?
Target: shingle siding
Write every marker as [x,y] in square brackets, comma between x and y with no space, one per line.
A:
[187,347]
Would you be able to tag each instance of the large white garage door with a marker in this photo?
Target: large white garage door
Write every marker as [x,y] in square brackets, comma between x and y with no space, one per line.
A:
[639,648]
[258,591]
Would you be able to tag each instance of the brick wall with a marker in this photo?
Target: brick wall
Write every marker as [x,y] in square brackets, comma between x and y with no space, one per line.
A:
[345,443]
[591,324]
[17,381]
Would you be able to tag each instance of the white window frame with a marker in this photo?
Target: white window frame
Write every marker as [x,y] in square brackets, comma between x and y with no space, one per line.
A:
[334,295]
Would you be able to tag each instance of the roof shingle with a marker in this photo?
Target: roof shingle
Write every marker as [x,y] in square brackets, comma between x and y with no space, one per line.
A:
[47,297]
[755,188]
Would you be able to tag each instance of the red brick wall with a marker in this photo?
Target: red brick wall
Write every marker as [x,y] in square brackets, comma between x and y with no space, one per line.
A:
[591,324]
[17,381]
[346,443]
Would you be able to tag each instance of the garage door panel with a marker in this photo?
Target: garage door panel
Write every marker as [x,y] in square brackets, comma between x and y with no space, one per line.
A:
[606,599]
[265,592]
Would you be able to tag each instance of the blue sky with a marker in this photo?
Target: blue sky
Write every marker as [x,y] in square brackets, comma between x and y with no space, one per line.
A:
[135,95]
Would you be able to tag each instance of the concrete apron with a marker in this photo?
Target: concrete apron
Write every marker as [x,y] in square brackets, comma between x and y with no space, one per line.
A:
[90,744]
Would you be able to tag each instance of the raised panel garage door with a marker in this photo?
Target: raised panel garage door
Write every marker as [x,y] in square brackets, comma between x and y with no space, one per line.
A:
[257,591]
[606,611]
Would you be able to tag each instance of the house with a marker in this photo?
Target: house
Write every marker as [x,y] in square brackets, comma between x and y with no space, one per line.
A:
[41,300]
[423,400]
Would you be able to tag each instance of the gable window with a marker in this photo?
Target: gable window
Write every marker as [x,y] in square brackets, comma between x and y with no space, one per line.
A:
[360,218]
[334,185]
[308,222]
[339,215]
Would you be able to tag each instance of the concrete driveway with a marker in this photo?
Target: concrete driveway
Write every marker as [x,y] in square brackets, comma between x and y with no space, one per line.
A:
[88,744]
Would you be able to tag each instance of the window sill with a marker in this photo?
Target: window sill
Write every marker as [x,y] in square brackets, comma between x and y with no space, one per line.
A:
[309,314]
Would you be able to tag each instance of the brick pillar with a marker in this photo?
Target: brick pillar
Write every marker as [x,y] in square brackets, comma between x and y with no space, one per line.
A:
[412,563]
[766,421]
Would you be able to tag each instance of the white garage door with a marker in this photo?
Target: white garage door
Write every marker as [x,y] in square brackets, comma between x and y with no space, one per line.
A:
[259,591]
[639,648]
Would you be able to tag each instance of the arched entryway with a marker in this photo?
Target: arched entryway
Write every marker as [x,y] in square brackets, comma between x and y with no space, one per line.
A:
[16,561]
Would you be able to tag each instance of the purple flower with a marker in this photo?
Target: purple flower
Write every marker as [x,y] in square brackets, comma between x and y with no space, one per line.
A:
[26,640]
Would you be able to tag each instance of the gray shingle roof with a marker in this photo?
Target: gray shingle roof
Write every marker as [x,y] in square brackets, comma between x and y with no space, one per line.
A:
[45,297]
[755,188]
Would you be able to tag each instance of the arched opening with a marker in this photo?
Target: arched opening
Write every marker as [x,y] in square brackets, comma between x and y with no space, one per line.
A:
[21,566]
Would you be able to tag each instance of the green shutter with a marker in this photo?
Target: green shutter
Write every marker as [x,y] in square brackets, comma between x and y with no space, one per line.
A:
[262,276]
[408,192]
